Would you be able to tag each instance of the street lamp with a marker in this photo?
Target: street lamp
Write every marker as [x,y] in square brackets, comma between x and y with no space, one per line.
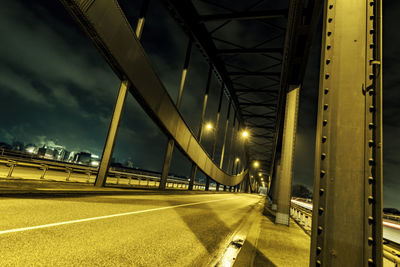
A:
[245,134]
[209,126]
[256,164]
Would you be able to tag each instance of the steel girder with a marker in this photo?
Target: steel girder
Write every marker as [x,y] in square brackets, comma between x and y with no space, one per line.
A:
[256,73]
[107,27]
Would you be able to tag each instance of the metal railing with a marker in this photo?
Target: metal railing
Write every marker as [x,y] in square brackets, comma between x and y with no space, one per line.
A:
[89,172]
[302,214]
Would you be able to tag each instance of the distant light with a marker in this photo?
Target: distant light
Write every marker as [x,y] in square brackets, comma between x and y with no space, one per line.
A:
[259,174]
[209,126]
[237,159]
[94,163]
[30,150]
[245,134]
[256,164]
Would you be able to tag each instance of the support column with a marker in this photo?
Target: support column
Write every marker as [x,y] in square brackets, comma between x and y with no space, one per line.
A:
[231,145]
[221,162]
[288,145]
[347,200]
[277,178]
[171,141]
[101,177]
[201,127]
[112,135]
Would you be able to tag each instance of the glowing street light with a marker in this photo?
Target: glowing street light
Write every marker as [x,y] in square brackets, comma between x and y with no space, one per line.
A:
[245,134]
[256,164]
[237,160]
[209,126]
[259,174]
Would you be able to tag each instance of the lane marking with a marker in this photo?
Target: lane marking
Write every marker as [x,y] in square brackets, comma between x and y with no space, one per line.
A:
[107,216]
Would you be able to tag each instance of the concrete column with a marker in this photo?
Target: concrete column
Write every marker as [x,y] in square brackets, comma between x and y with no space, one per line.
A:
[288,145]
[275,192]
[171,141]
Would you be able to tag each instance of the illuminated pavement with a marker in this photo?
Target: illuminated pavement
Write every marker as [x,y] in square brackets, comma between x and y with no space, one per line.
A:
[129,230]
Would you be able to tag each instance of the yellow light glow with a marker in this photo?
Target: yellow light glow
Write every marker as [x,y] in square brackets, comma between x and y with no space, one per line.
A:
[209,126]
[259,174]
[237,159]
[256,164]
[245,134]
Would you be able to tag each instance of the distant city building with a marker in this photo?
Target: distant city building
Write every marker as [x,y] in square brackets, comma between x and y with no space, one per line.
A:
[46,153]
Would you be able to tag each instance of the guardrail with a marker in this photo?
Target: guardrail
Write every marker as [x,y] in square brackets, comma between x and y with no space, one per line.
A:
[89,172]
[302,214]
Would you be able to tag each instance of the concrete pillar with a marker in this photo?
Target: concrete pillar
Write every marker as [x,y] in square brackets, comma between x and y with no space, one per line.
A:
[288,145]
[275,192]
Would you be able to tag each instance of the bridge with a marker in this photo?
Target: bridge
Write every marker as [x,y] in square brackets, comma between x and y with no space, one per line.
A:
[254,55]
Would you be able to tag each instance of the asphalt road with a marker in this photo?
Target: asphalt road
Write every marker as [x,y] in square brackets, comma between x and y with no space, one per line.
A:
[133,230]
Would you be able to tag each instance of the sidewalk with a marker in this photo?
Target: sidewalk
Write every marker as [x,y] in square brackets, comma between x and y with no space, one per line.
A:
[270,244]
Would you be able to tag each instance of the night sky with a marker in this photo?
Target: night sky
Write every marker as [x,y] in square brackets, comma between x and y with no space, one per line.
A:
[56,88]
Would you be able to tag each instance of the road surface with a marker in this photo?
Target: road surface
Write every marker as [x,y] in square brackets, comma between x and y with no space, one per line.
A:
[129,230]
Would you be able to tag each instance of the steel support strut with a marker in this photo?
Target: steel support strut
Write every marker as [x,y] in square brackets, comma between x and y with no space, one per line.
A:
[171,143]
[288,145]
[101,177]
[347,203]
[201,127]
[221,162]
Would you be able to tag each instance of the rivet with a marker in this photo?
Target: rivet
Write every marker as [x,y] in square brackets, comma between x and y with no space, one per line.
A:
[371,142]
[323,139]
[320,228]
[323,155]
[371,179]
[370,261]
[325,106]
[371,45]
[371,76]
[329,33]
[330,20]
[321,210]
[322,173]
[328,61]
[330,6]
[370,199]
[319,249]
[326,90]
[370,219]
[328,47]
[372,31]
[321,191]
[371,161]
[325,122]
[371,92]
[371,125]
[370,239]
[318,262]
[371,108]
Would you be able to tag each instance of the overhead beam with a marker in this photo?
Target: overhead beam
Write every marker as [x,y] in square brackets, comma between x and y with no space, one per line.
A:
[248,15]
[254,73]
[235,51]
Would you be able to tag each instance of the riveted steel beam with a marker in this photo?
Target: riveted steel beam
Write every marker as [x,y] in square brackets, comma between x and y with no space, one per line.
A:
[347,199]
[248,15]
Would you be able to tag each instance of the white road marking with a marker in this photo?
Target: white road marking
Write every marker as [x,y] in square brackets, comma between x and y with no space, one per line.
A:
[107,216]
